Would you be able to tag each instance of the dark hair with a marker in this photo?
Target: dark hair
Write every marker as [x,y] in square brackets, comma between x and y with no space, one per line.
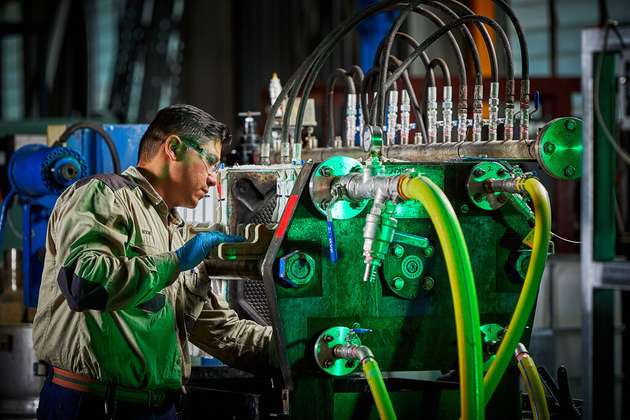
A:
[182,120]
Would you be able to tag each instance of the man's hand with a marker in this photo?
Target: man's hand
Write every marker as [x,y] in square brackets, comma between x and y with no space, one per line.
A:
[194,251]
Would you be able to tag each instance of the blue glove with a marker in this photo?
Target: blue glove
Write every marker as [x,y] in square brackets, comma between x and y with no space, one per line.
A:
[193,252]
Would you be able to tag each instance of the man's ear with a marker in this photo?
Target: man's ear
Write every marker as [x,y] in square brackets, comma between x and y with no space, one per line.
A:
[173,147]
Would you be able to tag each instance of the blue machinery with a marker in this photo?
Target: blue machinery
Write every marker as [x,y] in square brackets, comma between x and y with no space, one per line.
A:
[38,174]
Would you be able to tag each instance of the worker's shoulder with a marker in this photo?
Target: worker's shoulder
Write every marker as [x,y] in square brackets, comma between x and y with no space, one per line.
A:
[113,181]
[96,187]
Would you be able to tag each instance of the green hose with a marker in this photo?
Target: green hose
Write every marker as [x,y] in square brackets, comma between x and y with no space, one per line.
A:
[527,298]
[535,390]
[379,391]
[460,275]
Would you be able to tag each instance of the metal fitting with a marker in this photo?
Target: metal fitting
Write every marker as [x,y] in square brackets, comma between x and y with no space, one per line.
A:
[351,119]
[405,110]
[462,113]
[524,109]
[357,187]
[477,112]
[508,131]
[513,185]
[447,113]
[432,114]
[493,112]
[351,352]
[392,117]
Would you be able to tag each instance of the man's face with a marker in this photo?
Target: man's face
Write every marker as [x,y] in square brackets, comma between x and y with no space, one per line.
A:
[195,173]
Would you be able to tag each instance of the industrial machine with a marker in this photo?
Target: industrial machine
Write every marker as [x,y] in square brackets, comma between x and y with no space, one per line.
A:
[407,259]
[400,267]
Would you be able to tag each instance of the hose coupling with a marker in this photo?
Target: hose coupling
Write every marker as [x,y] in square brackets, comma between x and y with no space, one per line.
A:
[352,352]
[520,351]
[513,185]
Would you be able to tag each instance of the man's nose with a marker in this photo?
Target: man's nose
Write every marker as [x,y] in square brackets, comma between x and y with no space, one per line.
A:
[211,180]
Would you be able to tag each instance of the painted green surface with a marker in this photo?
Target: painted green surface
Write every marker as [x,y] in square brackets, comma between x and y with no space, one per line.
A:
[561,148]
[414,327]
[604,161]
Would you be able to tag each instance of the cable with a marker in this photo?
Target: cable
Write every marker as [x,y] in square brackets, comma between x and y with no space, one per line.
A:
[439,62]
[414,44]
[97,128]
[379,117]
[367,85]
[417,110]
[437,34]
[456,48]
[330,93]
[522,42]
[321,52]
[356,73]
[492,54]
[565,239]
[406,80]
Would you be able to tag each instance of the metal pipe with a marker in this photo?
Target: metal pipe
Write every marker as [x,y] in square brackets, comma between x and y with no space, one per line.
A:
[439,152]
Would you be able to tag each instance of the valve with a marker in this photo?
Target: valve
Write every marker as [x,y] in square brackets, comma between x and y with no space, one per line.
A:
[378,233]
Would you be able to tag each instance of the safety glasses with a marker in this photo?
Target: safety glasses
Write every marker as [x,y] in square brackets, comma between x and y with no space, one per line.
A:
[210,160]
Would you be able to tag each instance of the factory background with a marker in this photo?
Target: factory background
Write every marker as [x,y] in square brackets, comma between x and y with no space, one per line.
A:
[115,63]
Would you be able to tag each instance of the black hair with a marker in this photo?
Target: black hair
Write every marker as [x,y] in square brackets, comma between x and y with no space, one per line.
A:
[181,120]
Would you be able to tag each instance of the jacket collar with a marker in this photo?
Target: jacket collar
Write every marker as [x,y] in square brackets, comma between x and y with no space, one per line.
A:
[152,196]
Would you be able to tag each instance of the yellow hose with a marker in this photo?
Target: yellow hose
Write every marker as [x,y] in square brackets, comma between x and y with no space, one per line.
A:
[535,390]
[378,389]
[527,298]
[462,282]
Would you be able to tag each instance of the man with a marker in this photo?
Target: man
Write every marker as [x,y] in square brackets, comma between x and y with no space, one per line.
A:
[122,291]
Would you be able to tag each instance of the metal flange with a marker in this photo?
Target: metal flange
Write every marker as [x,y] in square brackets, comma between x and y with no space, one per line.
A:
[559,148]
[477,191]
[322,192]
[324,350]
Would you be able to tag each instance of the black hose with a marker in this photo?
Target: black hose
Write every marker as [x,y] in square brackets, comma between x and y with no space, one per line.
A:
[439,62]
[97,128]
[367,88]
[437,34]
[379,115]
[330,98]
[415,105]
[430,76]
[458,52]
[414,44]
[522,42]
[356,73]
[494,68]
[314,63]
[291,89]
